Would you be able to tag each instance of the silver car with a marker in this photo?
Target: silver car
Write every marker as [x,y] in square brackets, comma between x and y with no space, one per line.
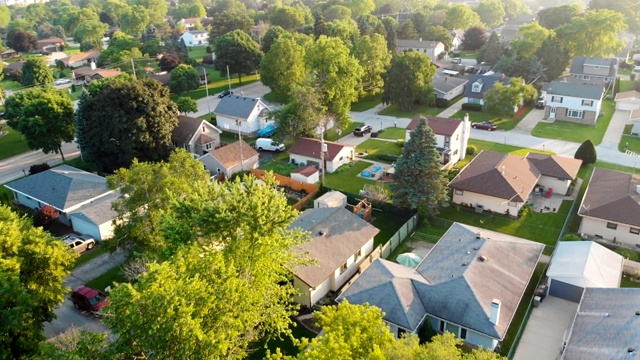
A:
[79,243]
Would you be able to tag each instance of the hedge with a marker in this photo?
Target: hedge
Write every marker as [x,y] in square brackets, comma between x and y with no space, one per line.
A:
[471,107]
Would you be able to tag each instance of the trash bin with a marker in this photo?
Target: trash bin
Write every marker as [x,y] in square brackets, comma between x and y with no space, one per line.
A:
[536,301]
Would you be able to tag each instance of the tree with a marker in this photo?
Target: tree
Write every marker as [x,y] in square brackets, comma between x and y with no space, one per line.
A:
[319,25]
[5,16]
[239,52]
[118,43]
[45,216]
[303,114]
[36,72]
[554,17]
[587,153]
[186,104]
[37,13]
[360,7]
[270,37]
[630,10]
[407,31]
[32,272]
[184,78]
[491,12]
[283,66]
[24,41]
[123,118]
[439,33]
[460,16]
[14,27]
[44,116]
[529,39]
[420,22]
[337,13]
[408,81]
[135,21]
[513,8]
[390,26]
[502,100]
[228,21]
[157,9]
[168,62]
[345,30]
[474,38]
[36,168]
[287,17]
[420,182]
[594,35]
[528,68]
[375,59]
[491,51]
[553,57]
[90,31]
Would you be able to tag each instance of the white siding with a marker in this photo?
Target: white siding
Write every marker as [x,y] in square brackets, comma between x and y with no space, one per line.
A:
[592,226]
[473,337]
[559,186]
[346,154]
[627,105]
[320,291]
[573,103]
[314,178]
[489,202]
[106,230]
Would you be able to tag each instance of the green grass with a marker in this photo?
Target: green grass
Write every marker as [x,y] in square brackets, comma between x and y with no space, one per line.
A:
[502,123]
[276,98]
[393,133]
[279,167]
[394,110]
[197,52]
[8,84]
[109,278]
[629,281]
[401,249]
[216,85]
[332,134]
[12,144]
[628,142]
[78,163]
[286,345]
[467,54]
[563,130]
[626,85]
[348,180]
[98,250]
[367,102]
[388,225]
[373,146]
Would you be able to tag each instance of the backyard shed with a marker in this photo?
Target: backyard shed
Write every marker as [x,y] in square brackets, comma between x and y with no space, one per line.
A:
[306,174]
[577,265]
[331,199]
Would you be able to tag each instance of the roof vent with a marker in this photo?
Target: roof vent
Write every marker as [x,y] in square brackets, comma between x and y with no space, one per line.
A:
[478,235]
[464,264]
[476,248]
[631,349]
[638,312]
[321,233]
[482,258]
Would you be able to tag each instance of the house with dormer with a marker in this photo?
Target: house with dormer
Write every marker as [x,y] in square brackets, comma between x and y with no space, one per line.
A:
[470,284]
[578,103]
[193,38]
[452,136]
[595,71]
[239,113]
[479,84]
[430,48]
[197,136]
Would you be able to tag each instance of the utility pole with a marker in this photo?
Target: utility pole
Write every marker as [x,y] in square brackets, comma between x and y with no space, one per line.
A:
[238,123]
[206,86]
[133,68]
[322,164]
[228,78]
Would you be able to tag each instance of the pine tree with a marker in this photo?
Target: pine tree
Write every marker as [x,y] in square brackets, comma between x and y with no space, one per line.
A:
[420,182]
[586,152]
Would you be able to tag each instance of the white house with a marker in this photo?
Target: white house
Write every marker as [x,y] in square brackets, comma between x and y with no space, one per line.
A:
[230,159]
[193,38]
[610,208]
[340,242]
[479,84]
[430,48]
[189,23]
[197,136]
[80,59]
[452,136]
[458,36]
[239,113]
[307,151]
[579,103]
[628,100]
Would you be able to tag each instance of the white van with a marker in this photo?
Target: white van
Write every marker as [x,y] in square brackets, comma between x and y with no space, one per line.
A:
[269,145]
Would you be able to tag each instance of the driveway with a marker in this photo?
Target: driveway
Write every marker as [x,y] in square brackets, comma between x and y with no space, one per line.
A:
[614,132]
[253,90]
[529,122]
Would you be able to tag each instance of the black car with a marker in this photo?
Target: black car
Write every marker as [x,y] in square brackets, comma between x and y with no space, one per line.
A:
[225,93]
[362,130]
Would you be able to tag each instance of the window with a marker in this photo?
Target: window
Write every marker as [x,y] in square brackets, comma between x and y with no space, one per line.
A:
[203,129]
[577,114]
[634,231]
[476,87]
[557,99]
[441,327]
[459,192]
[463,333]
[587,102]
[586,77]
[343,268]
[611,225]
[207,146]
[358,255]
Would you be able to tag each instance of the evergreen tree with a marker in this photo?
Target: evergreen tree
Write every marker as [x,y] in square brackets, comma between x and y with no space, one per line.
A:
[420,182]
[587,153]
[319,27]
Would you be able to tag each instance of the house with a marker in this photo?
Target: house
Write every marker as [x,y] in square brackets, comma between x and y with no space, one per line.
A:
[307,174]
[578,103]
[470,283]
[448,87]
[430,48]
[340,242]
[595,71]
[230,159]
[628,100]
[193,38]
[80,59]
[197,136]
[610,208]
[458,37]
[9,54]
[163,77]
[331,199]
[87,74]
[14,69]
[577,265]
[50,45]
[189,23]
[53,57]
[605,326]
[479,84]
[81,198]
[452,136]
[502,183]
[508,33]
[239,113]
[307,151]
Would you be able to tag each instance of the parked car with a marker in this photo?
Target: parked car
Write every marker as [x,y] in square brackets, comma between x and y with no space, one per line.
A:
[362,130]
[456,60]
[269,145]
[79,243]
[540,104]
[225,93]
[89,299]
[62,81]
[485,125]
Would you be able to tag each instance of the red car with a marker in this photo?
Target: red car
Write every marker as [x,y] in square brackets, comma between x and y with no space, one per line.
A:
[88,299]
[485,125]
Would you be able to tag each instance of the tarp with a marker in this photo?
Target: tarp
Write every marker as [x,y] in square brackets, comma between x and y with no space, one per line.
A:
[267,130]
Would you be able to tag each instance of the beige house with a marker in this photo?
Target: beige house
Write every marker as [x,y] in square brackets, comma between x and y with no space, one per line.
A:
[197,136]
[430,48]
[230,159]
[452,136]
[80,59]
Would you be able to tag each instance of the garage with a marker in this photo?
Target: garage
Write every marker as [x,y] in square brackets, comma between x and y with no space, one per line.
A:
[628,100]
[577,265]
[96,218]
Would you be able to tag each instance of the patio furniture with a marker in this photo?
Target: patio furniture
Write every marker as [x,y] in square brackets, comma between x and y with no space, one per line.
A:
[549,193]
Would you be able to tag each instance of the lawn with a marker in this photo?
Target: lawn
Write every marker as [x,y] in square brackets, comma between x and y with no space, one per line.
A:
[367,102]
[12,144]
[197,53]
[467,54]
[275,98]
[279,167]
[502,148]
[628,142]
[626,85]
[216,85]
[563,130]
[501,123]
[79,163]
[8,84]
[286,345]
[332,134]
[348,180]
[87,256]
[109,278]
[394,110]
[627,282]
[393,133]
[373,146]
[388,226]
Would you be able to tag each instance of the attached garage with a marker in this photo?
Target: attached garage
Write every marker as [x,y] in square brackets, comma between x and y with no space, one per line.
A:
[628,100]
[577,265]
[96,218]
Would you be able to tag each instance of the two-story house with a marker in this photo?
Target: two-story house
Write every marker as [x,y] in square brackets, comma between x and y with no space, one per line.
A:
[197,136]
[189,23]
[479,84]
[239,113]
[193,38]
[452,136]
[430,48]
[593,70]
[579,103]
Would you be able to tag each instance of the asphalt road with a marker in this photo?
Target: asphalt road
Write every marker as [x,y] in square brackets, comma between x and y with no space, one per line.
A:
[17,166]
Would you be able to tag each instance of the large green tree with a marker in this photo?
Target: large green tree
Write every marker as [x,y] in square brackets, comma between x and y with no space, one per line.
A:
[287,17]
[44,116]
[135,20]
[513,8]
[36,72]
[554,17]
[595,34]
[502,100]
[228,18]
[90,31]
[391,29]
[375,59]
[33,265]
[553,57]
[303,114]
[460,16]
[491,51]
[283,66]
[630,9]
[270,37]
[186,104]
[529,39]
[420,182]
[237,51]
[122,118]
[474,38]
[491,12]
[5,16]
[157,9]
[184,78]
[408,81]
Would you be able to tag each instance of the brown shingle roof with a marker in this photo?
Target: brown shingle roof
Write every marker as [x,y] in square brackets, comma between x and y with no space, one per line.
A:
[306,170]
[555,166]
[52,41]
[628,95]
[504,176]
[439,125]
[311,148]
[91,54]
[187,126]
[612,196]
[229,155]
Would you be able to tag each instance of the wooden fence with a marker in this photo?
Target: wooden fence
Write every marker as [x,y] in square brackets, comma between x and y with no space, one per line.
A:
[296,185]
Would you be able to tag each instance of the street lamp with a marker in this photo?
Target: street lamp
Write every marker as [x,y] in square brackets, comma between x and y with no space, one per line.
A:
[206,87]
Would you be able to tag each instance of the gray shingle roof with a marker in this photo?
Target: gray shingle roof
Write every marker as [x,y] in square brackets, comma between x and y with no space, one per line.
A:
[447,83]
[61,187]
[238,106]
[606,325]
[583,91]
[452,283]
[578,63]
[418,44]
[99,211]
[487,83]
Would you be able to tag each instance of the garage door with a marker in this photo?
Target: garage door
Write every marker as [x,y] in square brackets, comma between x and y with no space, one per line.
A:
[624,105]
[565,291]
[85,227]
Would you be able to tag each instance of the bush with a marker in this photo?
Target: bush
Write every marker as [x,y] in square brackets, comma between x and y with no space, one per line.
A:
[571,237]
[209,50]
[208,60]
[452,173]
[442,103]
[586,152]
[401,143]
[374,134]
[625,65]
[45,215]
[384,157]
[471,150]
[36,168]
[524,211]
[471,107]
[628,254]
[344,167]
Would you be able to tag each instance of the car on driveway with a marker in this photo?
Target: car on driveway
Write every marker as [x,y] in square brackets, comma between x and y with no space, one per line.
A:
[225,93]
[62,81]
[89,299]
[79,243]
[485,125]
[362,130]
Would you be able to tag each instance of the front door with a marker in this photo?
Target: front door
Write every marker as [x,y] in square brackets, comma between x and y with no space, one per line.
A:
[552,113]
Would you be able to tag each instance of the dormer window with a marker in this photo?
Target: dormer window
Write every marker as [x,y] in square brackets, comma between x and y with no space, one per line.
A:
[476,87]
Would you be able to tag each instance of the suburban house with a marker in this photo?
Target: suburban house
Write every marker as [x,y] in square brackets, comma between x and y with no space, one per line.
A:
[479,84]
[578,103]
[9,54]
[80,59]
[577,265]
[628,100]
[502,183]
[470,284]
[163,77]
[452,136]
[605,326]
[458,36]
[239,113]
[81,198]
[448,87]
[87,74]
[594,70]
[307,151]
[14,68]
[193,38]
[189,23]
[307,174]
[197,136]
[610,208]
[430,48]
[50,45]
[340,242]
[230,159]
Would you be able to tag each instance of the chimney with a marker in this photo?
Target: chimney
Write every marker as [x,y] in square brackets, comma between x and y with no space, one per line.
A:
[93,65]
[495,311]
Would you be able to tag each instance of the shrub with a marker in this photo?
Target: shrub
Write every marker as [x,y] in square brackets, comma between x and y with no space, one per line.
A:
[442,103]
[471,107]
[625,65]
[524,211]
[471,150]
[384,157]
[36,168]
[374,134]
[45,215]
[571,237]
[628,254]
[344,167]
[452,173]
[401,143]
[209,50]
[586,152]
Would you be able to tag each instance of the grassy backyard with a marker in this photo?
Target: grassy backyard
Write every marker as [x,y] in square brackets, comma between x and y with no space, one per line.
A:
[373,146]
[388,226]
[394,110]
[12,144]
[393,133]
[279,167]
[367,102]
[568,131]
[348,180]
[501,123]
[626,85]
[628,142]
[109,278]
[332,134]
[197,53]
